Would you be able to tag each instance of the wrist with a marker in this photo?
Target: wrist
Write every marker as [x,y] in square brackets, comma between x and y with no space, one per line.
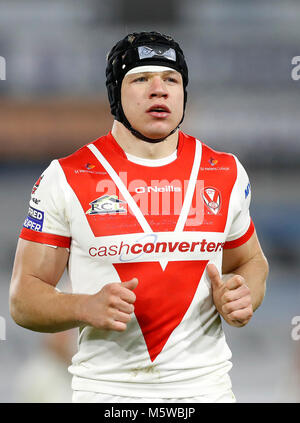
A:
[80,309]
[73,308]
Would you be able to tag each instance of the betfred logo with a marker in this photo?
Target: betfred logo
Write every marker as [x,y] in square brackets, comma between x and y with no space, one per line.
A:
[34,220]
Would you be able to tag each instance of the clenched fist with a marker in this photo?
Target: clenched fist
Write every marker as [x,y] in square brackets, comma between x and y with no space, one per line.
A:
[110,308]
[232,297]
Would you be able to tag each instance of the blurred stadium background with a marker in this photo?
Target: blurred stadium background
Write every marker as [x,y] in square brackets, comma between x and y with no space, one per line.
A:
[242,99]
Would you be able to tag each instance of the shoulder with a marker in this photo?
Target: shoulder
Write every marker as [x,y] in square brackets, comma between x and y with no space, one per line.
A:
[215,156]
[212,158]
[81,158]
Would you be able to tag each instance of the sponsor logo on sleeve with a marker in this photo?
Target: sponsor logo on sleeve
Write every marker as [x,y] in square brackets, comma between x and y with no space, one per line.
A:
[247,190]
[37,184]
[34,220]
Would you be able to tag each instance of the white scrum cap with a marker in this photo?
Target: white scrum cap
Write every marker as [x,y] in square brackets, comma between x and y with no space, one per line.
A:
[150,68]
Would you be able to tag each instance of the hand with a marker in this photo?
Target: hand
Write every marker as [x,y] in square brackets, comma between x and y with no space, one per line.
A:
[232,297]
[111,307]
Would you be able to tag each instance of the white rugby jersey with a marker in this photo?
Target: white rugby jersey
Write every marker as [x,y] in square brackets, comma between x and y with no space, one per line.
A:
[163,225]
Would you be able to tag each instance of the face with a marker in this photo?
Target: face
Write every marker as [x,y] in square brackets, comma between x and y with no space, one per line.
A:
[153,101]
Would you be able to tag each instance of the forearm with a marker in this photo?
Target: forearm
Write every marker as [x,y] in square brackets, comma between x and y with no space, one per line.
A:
[255,273]
[38,306]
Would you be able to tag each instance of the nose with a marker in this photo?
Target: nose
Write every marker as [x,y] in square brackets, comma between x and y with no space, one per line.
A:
[158,88]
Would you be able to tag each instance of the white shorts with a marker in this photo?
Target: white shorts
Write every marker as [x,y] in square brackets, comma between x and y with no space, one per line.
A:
[87,396]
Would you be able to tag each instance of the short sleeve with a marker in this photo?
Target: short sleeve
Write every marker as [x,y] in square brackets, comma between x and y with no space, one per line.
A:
[242,226]
[47,219]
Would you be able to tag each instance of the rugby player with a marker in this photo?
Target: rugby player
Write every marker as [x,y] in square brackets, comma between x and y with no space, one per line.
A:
[155,231]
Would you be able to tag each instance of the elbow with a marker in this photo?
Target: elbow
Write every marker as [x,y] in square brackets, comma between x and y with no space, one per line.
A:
[266,269]
[15,307]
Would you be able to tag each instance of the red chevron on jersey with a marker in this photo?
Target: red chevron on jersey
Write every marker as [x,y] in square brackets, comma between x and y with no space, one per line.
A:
[90,182]
[219,176]
[176,284]
[111,213]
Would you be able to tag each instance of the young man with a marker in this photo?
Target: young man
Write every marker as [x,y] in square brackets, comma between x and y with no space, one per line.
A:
[147,219]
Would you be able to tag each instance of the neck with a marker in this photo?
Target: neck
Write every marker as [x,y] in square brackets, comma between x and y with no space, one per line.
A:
[133,145]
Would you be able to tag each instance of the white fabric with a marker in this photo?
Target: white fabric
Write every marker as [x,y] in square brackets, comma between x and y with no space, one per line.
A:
[149,68]
[238,216]
[152,162]
[51,198]
[225,396]
[195,359]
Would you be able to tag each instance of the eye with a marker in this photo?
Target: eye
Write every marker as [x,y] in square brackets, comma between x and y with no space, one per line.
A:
[172,79]
[140,79]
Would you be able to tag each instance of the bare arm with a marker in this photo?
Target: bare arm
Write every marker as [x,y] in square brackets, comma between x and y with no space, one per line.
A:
[248,261]
[241,290]
[35,303]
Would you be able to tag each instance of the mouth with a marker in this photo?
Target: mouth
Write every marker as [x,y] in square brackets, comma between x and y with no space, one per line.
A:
[159,111]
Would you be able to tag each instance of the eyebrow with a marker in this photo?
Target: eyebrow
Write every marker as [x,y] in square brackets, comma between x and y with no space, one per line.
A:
[166,72]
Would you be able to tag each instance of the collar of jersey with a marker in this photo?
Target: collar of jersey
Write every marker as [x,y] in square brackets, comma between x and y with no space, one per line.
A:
[122,153]
[152,162]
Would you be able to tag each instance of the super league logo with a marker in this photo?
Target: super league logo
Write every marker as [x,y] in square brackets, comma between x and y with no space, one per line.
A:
[2,69]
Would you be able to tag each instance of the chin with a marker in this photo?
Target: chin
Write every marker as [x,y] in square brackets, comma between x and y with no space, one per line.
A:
[156,135]
[157,132]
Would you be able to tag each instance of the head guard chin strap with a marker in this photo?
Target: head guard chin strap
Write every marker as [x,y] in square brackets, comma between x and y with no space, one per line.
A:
[139,49]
